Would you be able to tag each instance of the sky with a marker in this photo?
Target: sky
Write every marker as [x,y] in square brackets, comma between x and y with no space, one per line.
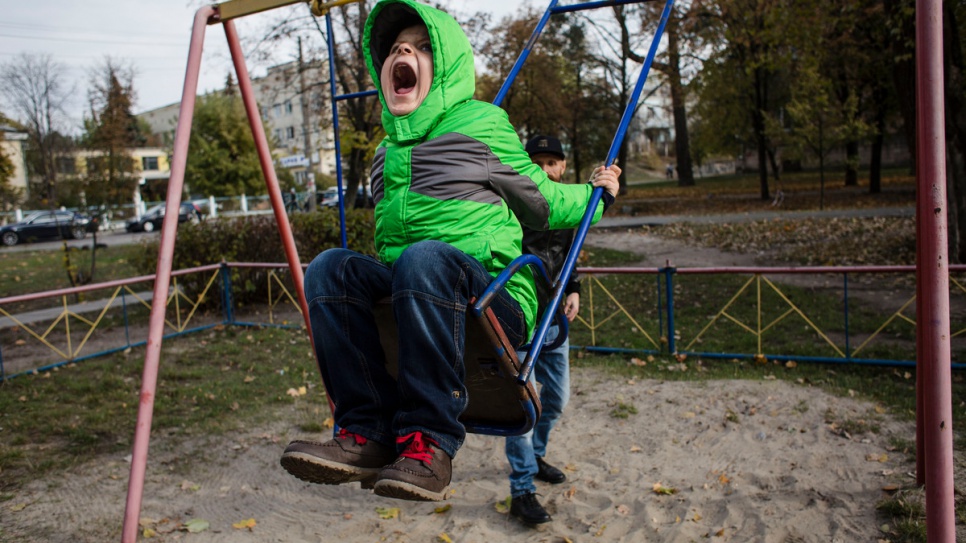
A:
[150,35]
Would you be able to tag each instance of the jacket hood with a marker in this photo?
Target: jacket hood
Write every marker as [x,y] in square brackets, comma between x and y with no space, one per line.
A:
[454,72]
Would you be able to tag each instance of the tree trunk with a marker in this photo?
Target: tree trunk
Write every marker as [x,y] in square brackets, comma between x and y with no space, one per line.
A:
[682,143]
[776,171]
[852,163]
[758,121]
[875,165]
[904,72]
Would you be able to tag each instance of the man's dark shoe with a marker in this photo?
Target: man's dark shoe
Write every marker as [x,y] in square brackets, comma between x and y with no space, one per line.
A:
[421,473]
[548,473]
[346,458]
[526,508]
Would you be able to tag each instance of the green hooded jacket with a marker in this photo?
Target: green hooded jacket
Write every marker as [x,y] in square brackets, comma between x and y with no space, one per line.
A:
[454,170]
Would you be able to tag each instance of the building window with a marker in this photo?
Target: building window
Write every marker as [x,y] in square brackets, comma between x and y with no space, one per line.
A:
[149,163]
[66,165]
[288,107]
[290,132]
[96,165]
[277,110]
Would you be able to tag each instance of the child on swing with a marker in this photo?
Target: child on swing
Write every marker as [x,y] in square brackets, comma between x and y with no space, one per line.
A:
[451,183]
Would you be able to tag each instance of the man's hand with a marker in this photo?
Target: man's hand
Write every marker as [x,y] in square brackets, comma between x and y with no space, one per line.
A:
[607,178]
[572,306]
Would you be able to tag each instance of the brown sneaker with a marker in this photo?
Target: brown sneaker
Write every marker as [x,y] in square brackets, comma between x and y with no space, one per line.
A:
[346,458]
[421,473]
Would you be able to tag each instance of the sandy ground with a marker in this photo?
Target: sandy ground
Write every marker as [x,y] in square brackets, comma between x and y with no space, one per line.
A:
[731,461]
[723,460]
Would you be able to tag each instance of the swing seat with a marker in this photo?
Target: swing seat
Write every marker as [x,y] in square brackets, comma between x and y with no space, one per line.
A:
[497,403]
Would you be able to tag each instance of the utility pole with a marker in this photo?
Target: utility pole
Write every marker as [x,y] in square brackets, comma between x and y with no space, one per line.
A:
[306,132]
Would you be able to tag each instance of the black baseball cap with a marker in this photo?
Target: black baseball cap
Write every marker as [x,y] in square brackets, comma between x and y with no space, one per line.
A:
[545,144]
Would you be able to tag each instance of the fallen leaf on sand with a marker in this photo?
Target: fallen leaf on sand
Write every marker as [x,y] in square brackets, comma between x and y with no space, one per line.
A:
[658,488]
[195,526]
[241,525]
[388,512]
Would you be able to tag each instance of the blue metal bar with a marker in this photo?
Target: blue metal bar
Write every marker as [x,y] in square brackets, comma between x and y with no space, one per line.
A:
[669,286]
[518,65]
[730,356]
[528,47]
[335,127]
[845,281]
[228,301]
[500,282]
[594,5]
[504,276]
[352,95]
[660,316]
[571,261]
[127,331]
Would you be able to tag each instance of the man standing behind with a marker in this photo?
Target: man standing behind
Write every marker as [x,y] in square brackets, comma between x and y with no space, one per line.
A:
[552,370]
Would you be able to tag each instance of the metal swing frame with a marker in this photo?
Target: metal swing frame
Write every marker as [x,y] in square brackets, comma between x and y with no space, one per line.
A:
[934,401]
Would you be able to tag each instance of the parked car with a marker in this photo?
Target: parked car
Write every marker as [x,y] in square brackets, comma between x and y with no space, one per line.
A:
[47,225]
[330,197]
[154,217]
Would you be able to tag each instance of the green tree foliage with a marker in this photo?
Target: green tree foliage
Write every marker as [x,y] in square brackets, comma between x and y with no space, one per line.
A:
[111,133]
[747,78]
[221,155]
[560,90]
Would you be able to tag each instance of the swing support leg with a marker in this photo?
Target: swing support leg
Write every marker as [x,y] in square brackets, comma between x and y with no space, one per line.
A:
[152,357]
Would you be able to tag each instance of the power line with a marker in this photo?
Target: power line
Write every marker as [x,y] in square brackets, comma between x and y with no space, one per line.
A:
[88,40]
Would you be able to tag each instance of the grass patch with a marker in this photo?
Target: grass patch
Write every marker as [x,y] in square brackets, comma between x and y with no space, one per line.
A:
[39,271]
[208,384]
[721,313]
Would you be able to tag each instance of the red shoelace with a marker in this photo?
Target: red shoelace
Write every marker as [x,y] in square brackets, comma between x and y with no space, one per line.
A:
[418,447]
[343,434]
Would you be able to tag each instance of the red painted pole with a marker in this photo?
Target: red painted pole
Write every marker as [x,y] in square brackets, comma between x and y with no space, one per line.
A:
[152,357]
[268,168]
[271,180]
[933,274]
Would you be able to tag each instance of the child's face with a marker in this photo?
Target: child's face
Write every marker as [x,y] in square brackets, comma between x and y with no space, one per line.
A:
[552,165]
[407,73]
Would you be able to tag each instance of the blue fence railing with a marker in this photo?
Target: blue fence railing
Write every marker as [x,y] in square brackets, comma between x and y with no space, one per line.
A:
[850,315]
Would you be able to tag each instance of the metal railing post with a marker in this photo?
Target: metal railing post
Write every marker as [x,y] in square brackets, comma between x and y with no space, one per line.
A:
[669,288]
[227,300]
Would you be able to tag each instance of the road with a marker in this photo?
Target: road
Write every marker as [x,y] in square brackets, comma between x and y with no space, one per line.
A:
[120,237]
[117,237]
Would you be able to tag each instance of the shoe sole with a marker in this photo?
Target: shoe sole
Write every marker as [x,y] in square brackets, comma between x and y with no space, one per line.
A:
[323,472]
[400,490]
[551,481]
[533,523]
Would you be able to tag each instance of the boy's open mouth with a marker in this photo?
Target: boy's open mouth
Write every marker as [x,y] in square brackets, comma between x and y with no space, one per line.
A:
[403,78]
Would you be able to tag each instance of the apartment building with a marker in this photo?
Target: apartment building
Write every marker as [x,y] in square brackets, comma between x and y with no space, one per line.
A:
[12,144]
[297,112]
[151,168]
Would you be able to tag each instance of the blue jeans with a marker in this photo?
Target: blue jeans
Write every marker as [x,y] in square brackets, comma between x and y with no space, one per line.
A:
[430,286]
[552,371]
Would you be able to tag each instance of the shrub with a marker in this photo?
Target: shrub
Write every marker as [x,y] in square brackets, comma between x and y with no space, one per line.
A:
[255,238]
